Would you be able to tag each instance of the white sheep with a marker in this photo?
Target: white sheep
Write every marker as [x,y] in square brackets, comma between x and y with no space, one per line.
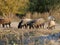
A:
[51,24]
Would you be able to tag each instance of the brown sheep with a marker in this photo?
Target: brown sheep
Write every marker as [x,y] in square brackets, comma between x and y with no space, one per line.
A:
[39,23]
[5,21]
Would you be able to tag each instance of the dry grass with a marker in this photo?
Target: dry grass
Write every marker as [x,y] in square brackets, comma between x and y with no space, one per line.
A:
[37,32]
[35,15]
[17,33]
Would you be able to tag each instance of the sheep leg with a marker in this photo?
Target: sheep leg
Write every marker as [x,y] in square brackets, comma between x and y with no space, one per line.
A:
[6,25]
[9,25]
[48,27]
[53,27]
[40,26]
[29,27]
[26,26]
[32,26]
[37,26]
[19,26]
[3,25]
[43,25]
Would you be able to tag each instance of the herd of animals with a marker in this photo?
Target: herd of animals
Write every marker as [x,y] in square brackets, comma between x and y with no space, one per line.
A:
[36,23]
[31,23]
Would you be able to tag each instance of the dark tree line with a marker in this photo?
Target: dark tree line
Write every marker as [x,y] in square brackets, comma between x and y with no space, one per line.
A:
[43,5]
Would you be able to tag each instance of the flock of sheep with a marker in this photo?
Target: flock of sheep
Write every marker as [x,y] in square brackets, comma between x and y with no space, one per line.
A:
[36,23]
[31,23]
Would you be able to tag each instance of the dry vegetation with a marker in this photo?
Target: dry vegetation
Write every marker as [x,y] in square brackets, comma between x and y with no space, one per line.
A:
[37,32]
[45,15]
[9,34]
[19,34]
[16,36]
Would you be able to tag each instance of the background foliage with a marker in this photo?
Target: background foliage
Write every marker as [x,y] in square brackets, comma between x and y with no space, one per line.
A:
[10,7]
[43,5]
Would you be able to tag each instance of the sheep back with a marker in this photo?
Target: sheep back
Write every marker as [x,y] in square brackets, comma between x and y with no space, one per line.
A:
[6,20]
[39,21]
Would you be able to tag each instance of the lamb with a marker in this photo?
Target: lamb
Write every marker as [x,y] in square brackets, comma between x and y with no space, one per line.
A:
[51,24]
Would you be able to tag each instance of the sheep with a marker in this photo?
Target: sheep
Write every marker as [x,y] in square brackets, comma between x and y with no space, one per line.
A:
[25,23]
[31,23]
[39,23]
[5,21]
[51,24]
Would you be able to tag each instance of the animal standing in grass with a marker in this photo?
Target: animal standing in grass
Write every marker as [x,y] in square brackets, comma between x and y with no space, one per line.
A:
[51,24]
[32,23]
[39,23]
[25,23]
[5,22]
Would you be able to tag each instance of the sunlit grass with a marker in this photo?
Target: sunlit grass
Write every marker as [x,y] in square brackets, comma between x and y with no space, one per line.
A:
[19,34]
[36,32]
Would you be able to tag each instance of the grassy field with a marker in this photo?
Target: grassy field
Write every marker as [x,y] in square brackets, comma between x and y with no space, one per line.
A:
[7,35]
[15,36]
